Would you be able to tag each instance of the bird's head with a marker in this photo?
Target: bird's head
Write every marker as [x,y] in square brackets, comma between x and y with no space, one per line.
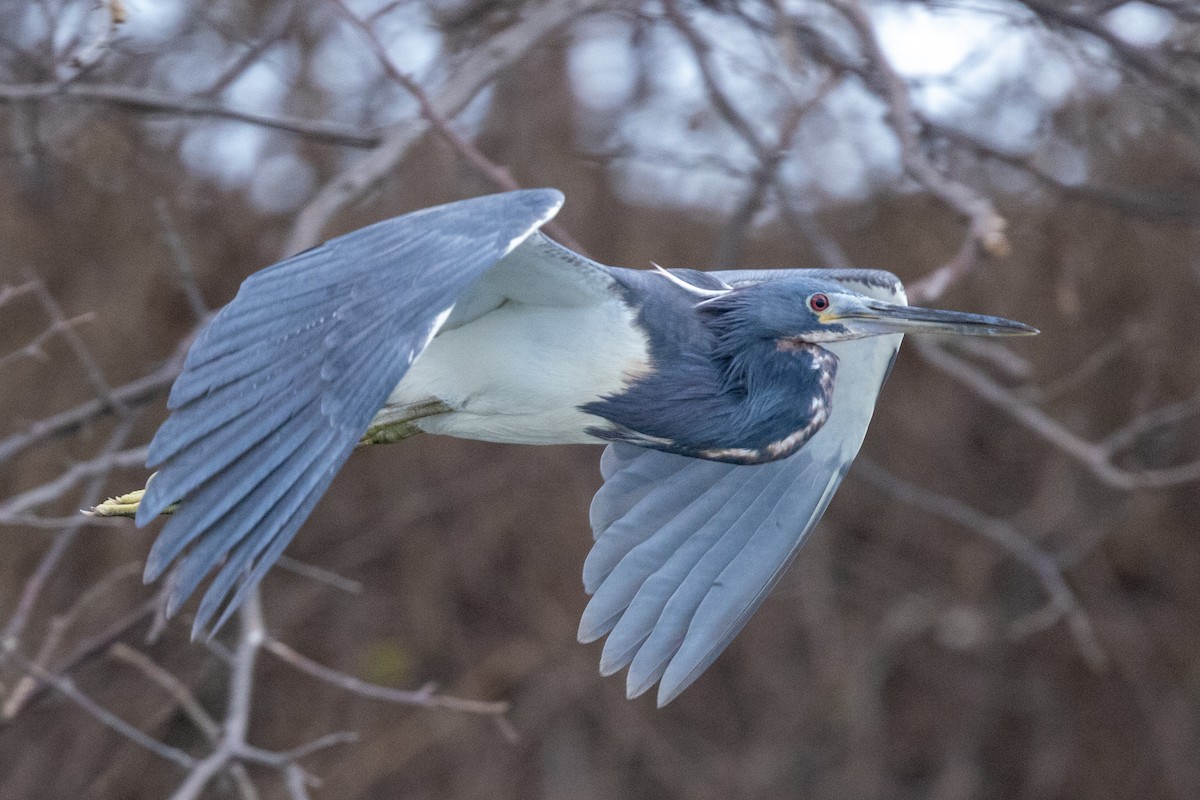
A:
[804,309]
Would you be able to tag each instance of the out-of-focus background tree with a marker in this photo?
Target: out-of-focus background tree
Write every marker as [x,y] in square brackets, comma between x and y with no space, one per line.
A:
[1002,601]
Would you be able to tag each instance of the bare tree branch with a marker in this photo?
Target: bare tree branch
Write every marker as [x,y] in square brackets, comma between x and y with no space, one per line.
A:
[11,510]
[426,697]
[11,634]
[1142,60]
[490,170]
[1096,457]
[986,224]
[154,101]
[91,368]
[58,628]
[66,687]
[534,22]
[1004,535]
[136,392]
[34,347]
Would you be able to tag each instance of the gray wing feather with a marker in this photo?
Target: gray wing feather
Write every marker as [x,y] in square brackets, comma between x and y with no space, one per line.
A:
[280,386]
[686,550]
[684,560]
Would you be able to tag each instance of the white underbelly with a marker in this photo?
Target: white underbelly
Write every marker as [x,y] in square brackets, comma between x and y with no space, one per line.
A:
[519,373]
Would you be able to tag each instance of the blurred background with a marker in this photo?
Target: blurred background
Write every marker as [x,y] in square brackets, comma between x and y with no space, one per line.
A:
[1002,600]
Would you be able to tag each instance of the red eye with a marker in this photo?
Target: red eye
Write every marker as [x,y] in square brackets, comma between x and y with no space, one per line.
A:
[818,302]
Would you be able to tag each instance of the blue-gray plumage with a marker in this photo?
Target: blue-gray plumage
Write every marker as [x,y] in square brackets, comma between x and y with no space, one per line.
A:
[729,381]
[732,402]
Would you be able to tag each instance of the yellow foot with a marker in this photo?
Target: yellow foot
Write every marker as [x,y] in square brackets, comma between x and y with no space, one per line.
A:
[125,505]
[392,424]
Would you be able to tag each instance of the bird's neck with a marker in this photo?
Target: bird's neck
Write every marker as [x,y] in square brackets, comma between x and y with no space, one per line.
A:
[780,393]
[755,403]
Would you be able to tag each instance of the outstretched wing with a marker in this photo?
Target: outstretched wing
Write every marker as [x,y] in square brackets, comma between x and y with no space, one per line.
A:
[281,385]
[686,550]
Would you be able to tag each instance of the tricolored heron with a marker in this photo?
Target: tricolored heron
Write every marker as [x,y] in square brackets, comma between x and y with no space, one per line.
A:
[731,403]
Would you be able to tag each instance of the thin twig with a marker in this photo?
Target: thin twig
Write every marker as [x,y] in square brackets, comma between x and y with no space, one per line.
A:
[237,712]
[187,701]
[137,392]
[83,355]
[11,634]
[180,693]
[153,101]
[181,259]
[534,23]
[66,687]
[770,156]
[111,14]
[320,575]
[1097,457]
[12,509]
[986,225]
[426,697]
[279,20]
[1004,535]
[1142,60]
[490,170]
[57,629]
[33,349]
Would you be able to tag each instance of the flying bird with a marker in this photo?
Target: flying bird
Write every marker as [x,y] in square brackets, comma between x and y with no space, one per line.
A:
[731,405]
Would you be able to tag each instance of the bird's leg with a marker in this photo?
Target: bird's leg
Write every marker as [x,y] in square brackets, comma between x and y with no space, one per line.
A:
[394,423]
[390,425]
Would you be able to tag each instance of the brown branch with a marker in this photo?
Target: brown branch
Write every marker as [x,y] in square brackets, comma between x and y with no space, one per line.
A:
[33,349]
[87,56]
[1149,204]
[279,20]
[11,510]
[136,392]
[57,629]
[320,575]
[806,226]
[11,634]
[83,355]
[95,645]
[9,292]
[490,170]
[186,700]
[181,260]
[426,697]
[770,156]
[1005,536]
[1097,457]
[1139,59]
[154,101]
[231,748]
[66,687]
[1125,437]
[933,285]
[179,692]
[986,225]
[716,94]
[535,21]
[237,711]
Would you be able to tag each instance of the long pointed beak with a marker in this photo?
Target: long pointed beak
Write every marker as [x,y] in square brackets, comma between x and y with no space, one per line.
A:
[889,318]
